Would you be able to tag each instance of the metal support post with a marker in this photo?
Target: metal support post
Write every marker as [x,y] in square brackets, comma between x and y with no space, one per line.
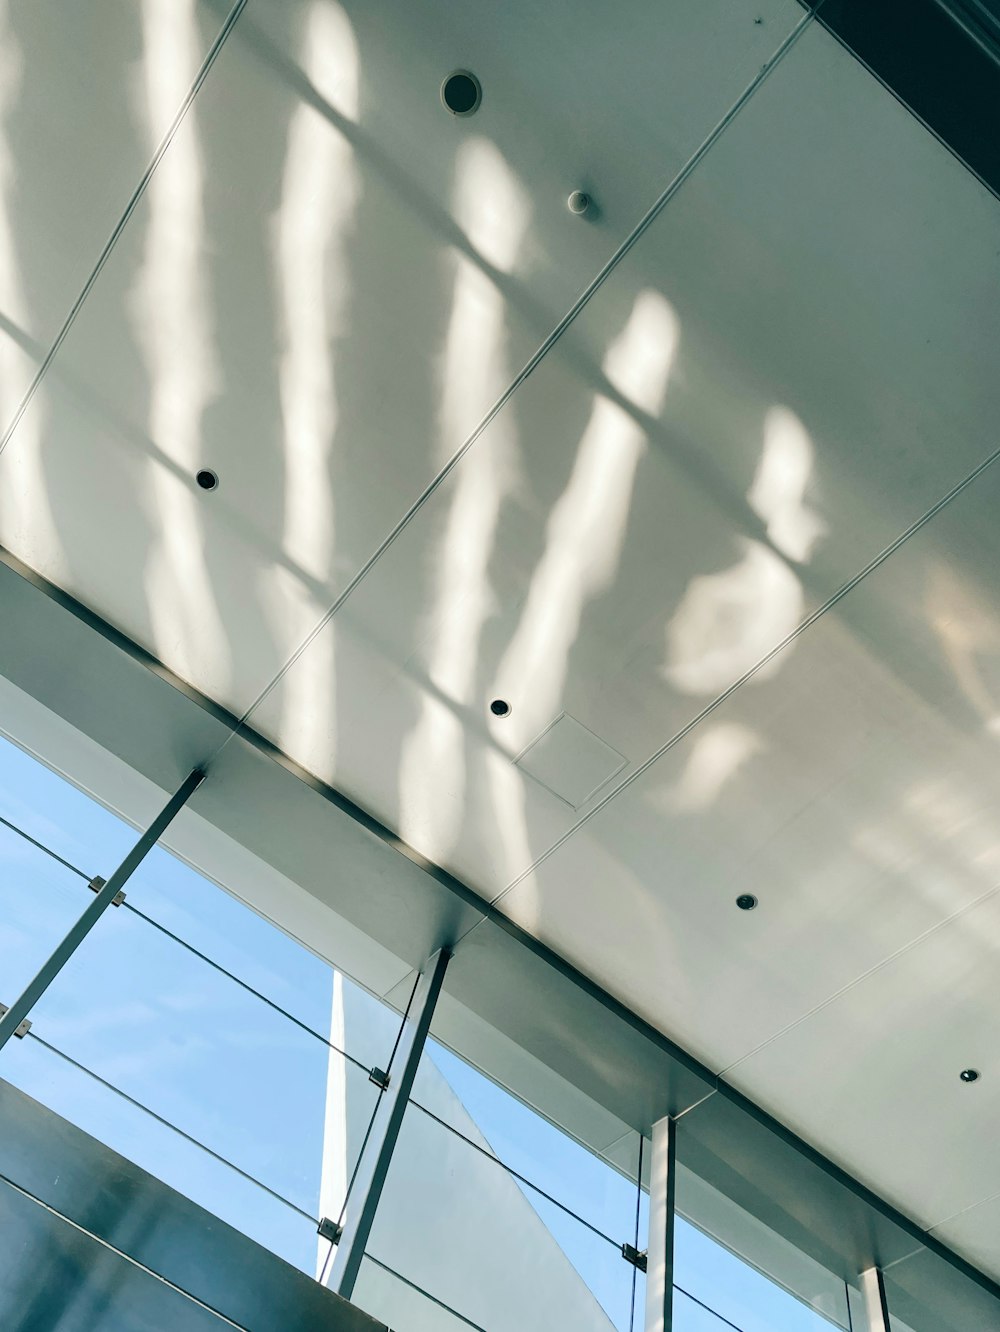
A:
[33,991]
[377,1153]
[876,1307]
[660,1252]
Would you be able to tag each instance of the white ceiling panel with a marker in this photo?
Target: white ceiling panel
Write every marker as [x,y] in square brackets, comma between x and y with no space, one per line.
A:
[975,1232]
[875,1073]
[751,408]
[854,789]
[86,94]
[326,285]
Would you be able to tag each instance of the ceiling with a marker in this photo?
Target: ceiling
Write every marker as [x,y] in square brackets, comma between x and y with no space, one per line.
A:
[705,473]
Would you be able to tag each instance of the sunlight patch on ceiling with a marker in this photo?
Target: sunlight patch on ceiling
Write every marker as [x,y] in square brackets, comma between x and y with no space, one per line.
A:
[586,530]
[726,622]
[174,327]
[25,517]
[320,190]
[778,493]
[492,209]
[717,754]
[319,195]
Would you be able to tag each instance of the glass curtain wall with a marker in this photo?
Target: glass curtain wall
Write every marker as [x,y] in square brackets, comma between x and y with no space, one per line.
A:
[206,1045]
[768,1286]
[494,1217]
[187,1033]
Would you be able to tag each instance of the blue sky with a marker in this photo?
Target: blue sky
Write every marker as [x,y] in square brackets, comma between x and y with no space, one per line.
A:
[161,1026]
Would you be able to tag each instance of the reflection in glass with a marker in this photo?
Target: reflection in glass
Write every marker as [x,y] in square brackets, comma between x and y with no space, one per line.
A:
[482,1186]
[526,1142]
[156,1146]
[714,1276]
[454,1223]
[402,1303]
[187,1032]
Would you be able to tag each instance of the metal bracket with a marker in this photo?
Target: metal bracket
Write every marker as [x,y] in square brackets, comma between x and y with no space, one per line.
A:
[329,1230]
[20,1031]
[379,1077]
[637,1257]
[97,883]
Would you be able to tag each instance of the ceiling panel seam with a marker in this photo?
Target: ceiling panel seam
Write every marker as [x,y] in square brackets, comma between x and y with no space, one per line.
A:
[675,184]
[140,190]
[865,975]
[875,563]
[982,1202]
[903,1257]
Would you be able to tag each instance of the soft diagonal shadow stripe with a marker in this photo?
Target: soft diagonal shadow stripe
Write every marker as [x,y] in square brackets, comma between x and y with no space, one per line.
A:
[717,702]
[535,360]
[123,221]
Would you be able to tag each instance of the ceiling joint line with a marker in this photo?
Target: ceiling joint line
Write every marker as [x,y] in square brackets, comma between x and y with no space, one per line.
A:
[884,962]
[905,1257]
[122,223]
[712,1091]
[947,1220]
[648,218]
[758,666]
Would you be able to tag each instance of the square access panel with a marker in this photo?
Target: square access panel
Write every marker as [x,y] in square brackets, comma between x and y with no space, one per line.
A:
[570,760]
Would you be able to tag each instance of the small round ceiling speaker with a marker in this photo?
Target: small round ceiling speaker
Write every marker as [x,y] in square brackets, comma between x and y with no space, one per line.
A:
[969,1075]
[500,707]
[461,93]
[746,901]
[207,479]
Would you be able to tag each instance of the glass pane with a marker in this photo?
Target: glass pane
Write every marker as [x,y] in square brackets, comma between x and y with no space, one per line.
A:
[60,816]
[692,1316]
[398,1303]
[209,918]
[712,1274]
[528,1143]
[639,1302]
[39,900]
[926,1293]
[261,1059]
[155,1147]
[459,1226]
[188,1043]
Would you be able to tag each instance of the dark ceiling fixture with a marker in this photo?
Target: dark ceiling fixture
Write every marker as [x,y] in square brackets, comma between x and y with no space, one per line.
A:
[207,479]
[969,1075]
[461,93]
[500,707]
[746,901]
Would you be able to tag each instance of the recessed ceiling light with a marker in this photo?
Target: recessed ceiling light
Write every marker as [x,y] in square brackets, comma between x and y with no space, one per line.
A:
[746,901]
[500,707]
[461,93]
[578,202]
[969,1075]
[207,479]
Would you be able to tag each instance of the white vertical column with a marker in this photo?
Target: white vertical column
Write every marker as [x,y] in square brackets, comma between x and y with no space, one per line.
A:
[876,1308]
[660,1253]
